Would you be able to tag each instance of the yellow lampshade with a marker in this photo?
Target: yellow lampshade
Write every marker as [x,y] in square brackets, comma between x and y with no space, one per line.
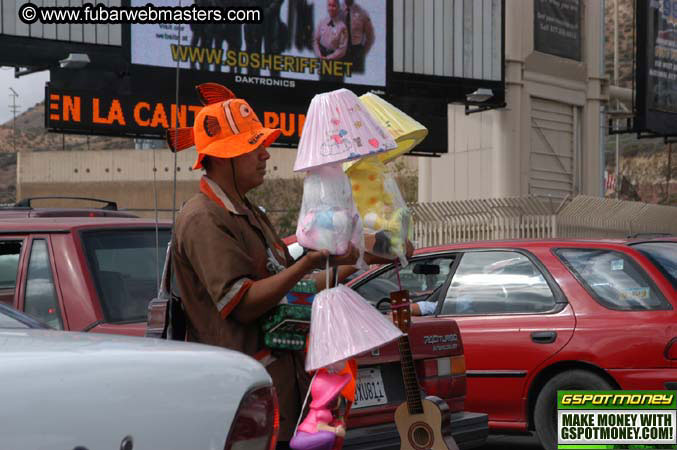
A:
[406,131]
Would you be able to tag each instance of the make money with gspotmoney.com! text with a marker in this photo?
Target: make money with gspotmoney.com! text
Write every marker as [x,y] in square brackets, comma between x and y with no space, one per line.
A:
[99,14]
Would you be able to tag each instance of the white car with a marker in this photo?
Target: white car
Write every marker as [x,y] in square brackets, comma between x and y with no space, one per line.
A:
[64,390]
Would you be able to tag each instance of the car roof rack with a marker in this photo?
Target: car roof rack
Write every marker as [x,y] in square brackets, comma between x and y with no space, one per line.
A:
[648,235]
[26,202]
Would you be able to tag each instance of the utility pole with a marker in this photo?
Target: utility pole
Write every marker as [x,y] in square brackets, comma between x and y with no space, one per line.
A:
[669,175]
[14,107]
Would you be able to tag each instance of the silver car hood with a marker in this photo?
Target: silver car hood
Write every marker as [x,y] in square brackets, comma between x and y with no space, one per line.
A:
[60,390]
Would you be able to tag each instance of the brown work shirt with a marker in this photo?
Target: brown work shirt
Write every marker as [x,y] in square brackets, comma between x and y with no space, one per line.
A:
[331,34]
[218,251]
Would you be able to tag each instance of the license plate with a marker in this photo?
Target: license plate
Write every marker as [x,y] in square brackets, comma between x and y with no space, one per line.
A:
[370,390]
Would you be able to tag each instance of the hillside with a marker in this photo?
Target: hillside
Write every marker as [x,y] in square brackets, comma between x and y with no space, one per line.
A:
[625,42]
[644,163]
[32,136]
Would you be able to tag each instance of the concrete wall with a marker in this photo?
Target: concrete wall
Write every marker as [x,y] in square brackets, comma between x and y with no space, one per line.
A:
[517,150]
[127,176]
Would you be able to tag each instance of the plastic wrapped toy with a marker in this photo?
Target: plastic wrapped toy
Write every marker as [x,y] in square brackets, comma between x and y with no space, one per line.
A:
[322,426]
[383,210]
[337,128]
[328,217]
[379,201]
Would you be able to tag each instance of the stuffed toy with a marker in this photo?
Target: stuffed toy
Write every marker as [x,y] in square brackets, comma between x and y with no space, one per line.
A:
[381,206]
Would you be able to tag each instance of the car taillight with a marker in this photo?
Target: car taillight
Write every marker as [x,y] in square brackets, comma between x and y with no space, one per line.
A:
[256,423]
[671,349]
[440,376]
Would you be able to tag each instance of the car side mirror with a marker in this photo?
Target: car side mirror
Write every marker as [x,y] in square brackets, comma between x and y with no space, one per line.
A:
[426,269]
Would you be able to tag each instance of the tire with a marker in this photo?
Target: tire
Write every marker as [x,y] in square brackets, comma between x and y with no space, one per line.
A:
[545,410]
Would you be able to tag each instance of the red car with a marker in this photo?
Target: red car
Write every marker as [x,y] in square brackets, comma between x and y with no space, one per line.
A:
[26,208]
[540,316]
[82,273]
[98,274]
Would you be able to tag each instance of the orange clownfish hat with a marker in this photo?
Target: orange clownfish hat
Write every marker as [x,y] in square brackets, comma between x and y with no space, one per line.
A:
[225,128]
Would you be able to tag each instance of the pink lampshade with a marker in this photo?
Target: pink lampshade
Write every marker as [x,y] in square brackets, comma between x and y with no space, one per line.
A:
[343,325]
[339,128]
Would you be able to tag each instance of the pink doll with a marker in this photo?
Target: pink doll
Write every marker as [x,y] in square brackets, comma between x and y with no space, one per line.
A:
[320,428]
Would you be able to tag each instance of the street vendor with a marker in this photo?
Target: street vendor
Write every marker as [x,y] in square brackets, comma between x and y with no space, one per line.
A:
[230,265]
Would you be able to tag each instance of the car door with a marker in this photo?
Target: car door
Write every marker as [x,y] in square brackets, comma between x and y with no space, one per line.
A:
[512,318]
[38,295]
[10,261]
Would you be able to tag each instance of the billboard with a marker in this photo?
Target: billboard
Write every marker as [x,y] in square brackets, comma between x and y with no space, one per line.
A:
[656,77]
[557,28]
[299,40]
[116,112]
[418,55]
[105,112]
[43,45]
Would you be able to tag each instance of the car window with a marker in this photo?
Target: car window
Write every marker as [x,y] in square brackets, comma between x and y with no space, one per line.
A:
[497,282]
[7,321]
[40,300]
[664,256]
[11,318]
[420,277]
[125,266]
[10,250]
[613,279]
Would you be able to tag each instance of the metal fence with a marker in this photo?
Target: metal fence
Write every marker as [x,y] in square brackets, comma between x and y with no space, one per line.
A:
[438,223]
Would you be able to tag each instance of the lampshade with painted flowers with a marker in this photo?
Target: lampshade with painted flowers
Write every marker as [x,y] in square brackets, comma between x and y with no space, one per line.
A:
[339,128]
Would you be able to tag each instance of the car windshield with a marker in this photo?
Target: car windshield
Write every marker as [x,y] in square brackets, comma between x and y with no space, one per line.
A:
[663,255]
[126,267]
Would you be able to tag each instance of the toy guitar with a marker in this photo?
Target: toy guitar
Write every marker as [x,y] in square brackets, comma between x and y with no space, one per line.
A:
[422,423]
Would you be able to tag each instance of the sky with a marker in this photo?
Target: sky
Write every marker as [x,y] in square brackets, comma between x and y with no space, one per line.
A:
[31,90]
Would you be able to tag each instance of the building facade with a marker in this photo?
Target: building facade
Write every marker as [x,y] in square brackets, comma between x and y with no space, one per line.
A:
[549,140]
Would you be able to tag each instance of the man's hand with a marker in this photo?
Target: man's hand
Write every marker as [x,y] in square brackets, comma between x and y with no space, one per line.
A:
[318,258]
[370,258]
[410,249]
